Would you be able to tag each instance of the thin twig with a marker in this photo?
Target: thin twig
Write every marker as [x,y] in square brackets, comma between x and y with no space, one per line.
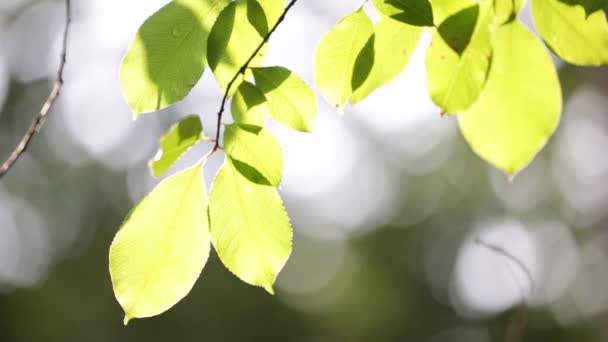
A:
[510,256]
[242,70]
[48,104]
[516,327]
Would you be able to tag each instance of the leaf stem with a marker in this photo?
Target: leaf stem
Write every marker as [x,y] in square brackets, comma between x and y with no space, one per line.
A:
[242,70]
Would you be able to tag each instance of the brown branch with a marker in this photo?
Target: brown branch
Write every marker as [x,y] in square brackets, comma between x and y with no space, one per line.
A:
[48,104]
[242,70]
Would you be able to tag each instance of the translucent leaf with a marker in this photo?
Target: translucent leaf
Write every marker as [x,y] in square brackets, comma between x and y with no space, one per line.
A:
[167,57]
[455,80]
[413,12]
[249,105]
[273,10]
[250,229]
[162,246]
[237,32]
[336,56]
[457,29]
[175,142]
[291,101]
[506,10]
[255,153]
[520,106]
[577,36]
[445,8]
[391,46]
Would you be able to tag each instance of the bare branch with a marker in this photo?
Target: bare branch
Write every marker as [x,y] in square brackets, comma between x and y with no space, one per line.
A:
[48,104]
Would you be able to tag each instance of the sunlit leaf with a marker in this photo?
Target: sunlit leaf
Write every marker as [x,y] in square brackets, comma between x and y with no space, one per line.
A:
[255,153]
[162,246]
[457,29]
[520,106]
[237,32]
[506,10]
[445,8]
[273,10]
[336,56]
[249,105]
[291,101]
[250,229]
[574,35]
[413,12]
[455,80]
[167,57]
[175,142]
[391,46]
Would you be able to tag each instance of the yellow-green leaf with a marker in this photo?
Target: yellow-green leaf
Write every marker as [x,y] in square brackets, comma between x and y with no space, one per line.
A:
[250,229]
[336,56]
[180,137]
[577,36]
[167,57]
[455,80]
[506,10]
[412,12]
[391,48]
[291,101]
[520,106]
[237,32]
[255,153]
[162,246]
[249,105]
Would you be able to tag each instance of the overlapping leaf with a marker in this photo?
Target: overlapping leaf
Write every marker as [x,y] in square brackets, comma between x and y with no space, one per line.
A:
[506,10]
[574,33]
[250,229]
[255,153]
[162,246]
[337,54]
[455,80]
[412,12]
[238,31]
[249,105]
[176,142]
[167,57]
[520,106]
[291,101]
[385,55]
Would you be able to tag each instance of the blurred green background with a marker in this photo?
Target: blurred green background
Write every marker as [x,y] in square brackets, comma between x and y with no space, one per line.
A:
[386,203]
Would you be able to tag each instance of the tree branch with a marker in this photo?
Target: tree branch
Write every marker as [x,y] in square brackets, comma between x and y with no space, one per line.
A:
[242,70]
[48,104]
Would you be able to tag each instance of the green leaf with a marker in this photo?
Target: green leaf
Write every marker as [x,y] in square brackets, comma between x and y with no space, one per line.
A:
[520,106]
[391,48]
[162,246]
[249,105]
[455,80]
[175,142]
[506,10]
[570,33]
[167,57]
[291,101]
[250,229]
[445,8]
[237,32]
[413,12]
[457,29]
[255,153]
[273,10]
[336,56]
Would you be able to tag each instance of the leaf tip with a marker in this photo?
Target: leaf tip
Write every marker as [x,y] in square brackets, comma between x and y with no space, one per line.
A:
[126,320]
[269,289]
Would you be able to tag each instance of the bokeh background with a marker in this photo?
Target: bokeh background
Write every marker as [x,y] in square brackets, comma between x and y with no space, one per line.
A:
[388,203]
